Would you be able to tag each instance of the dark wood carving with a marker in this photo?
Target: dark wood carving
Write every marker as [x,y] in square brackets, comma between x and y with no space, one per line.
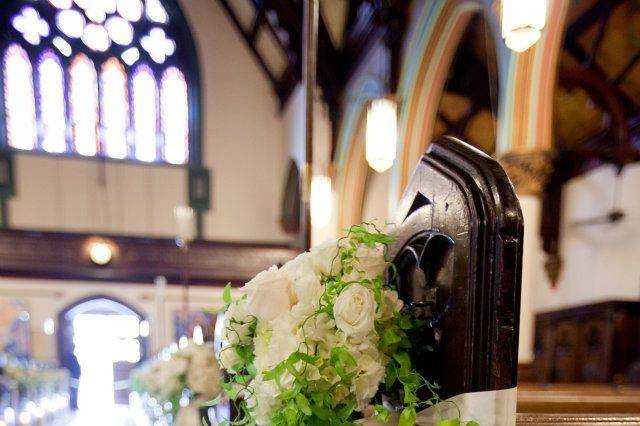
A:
[459,259]
[135,259]
[596,343]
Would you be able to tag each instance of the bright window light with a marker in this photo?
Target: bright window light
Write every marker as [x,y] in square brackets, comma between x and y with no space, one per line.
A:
[20,106]
[115,114]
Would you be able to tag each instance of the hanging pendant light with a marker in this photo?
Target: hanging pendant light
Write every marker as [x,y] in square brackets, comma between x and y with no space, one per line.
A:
[522,22]
[321,201]
[381,134]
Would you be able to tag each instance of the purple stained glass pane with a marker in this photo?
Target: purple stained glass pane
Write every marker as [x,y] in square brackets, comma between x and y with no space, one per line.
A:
[19,98]
[175,116]
[52,109]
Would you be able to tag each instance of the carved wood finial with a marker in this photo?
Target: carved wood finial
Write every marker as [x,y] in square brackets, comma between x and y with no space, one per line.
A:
[529,171]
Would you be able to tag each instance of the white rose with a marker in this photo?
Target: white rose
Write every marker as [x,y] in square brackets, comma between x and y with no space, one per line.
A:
[390,304]
[270,294]
[371,263]
[323,258]
[368,380]
[229,358]
[355,310]
[301,266]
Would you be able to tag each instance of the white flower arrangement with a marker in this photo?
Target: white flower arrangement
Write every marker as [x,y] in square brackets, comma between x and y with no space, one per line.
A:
[173,380]
[323,340]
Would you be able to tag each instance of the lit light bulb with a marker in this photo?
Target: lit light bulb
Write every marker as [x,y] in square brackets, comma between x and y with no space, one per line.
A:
[321,201]
[198,336]
[100,253]
[183,342]
[522,23]
[144,328]
[381,134]
[49,326]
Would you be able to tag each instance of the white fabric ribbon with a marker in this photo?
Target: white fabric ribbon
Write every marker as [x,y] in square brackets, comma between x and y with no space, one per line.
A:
[489,408]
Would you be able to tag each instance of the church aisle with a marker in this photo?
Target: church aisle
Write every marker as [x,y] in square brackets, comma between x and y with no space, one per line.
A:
[117,415]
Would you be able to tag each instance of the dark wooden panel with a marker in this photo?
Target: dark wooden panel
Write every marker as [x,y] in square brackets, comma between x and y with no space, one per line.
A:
[459,257]
[65,256]
[594,343]
[577,398]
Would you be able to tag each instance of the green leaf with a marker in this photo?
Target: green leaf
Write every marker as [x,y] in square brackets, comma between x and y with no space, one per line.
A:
[303,404]
[408,417]
[213,402]
[226,294]
[392,375]
[404,361]
[390,337]
[449,422]
[472,423]
[382,413]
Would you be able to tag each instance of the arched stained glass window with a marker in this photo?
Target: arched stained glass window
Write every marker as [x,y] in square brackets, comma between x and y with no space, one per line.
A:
[19,100]
[51,95]
[115,79]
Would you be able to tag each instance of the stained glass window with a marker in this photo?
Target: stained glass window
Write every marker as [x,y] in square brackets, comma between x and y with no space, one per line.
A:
[19,99]
[115,114]
[51,93]
[105,78]
[84,105]
[145,113]
[175,116]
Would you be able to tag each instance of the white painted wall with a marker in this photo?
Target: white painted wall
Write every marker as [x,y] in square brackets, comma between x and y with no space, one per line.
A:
[244,142]
[530,274]
[46,298]
[375,207]
[601,262]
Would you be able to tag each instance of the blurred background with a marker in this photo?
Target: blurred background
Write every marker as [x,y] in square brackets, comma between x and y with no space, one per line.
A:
[152,151]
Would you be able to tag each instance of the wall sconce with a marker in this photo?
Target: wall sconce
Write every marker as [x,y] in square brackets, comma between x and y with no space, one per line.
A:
[522,22]
[321,201]
[100,252]
[185,218]
[381,134]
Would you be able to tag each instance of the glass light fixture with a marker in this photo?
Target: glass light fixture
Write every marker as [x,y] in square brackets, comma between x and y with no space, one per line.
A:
[100,253]
[522,22]
[381,134]
[185,218]
[321,201]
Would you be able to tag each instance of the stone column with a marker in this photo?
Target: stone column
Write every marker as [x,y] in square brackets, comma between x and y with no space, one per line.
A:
[529,172]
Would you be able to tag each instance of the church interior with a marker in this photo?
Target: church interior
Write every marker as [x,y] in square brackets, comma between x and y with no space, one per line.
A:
[152,151]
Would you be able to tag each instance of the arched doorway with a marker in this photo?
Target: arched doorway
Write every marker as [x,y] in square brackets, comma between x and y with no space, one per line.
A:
[101,340]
